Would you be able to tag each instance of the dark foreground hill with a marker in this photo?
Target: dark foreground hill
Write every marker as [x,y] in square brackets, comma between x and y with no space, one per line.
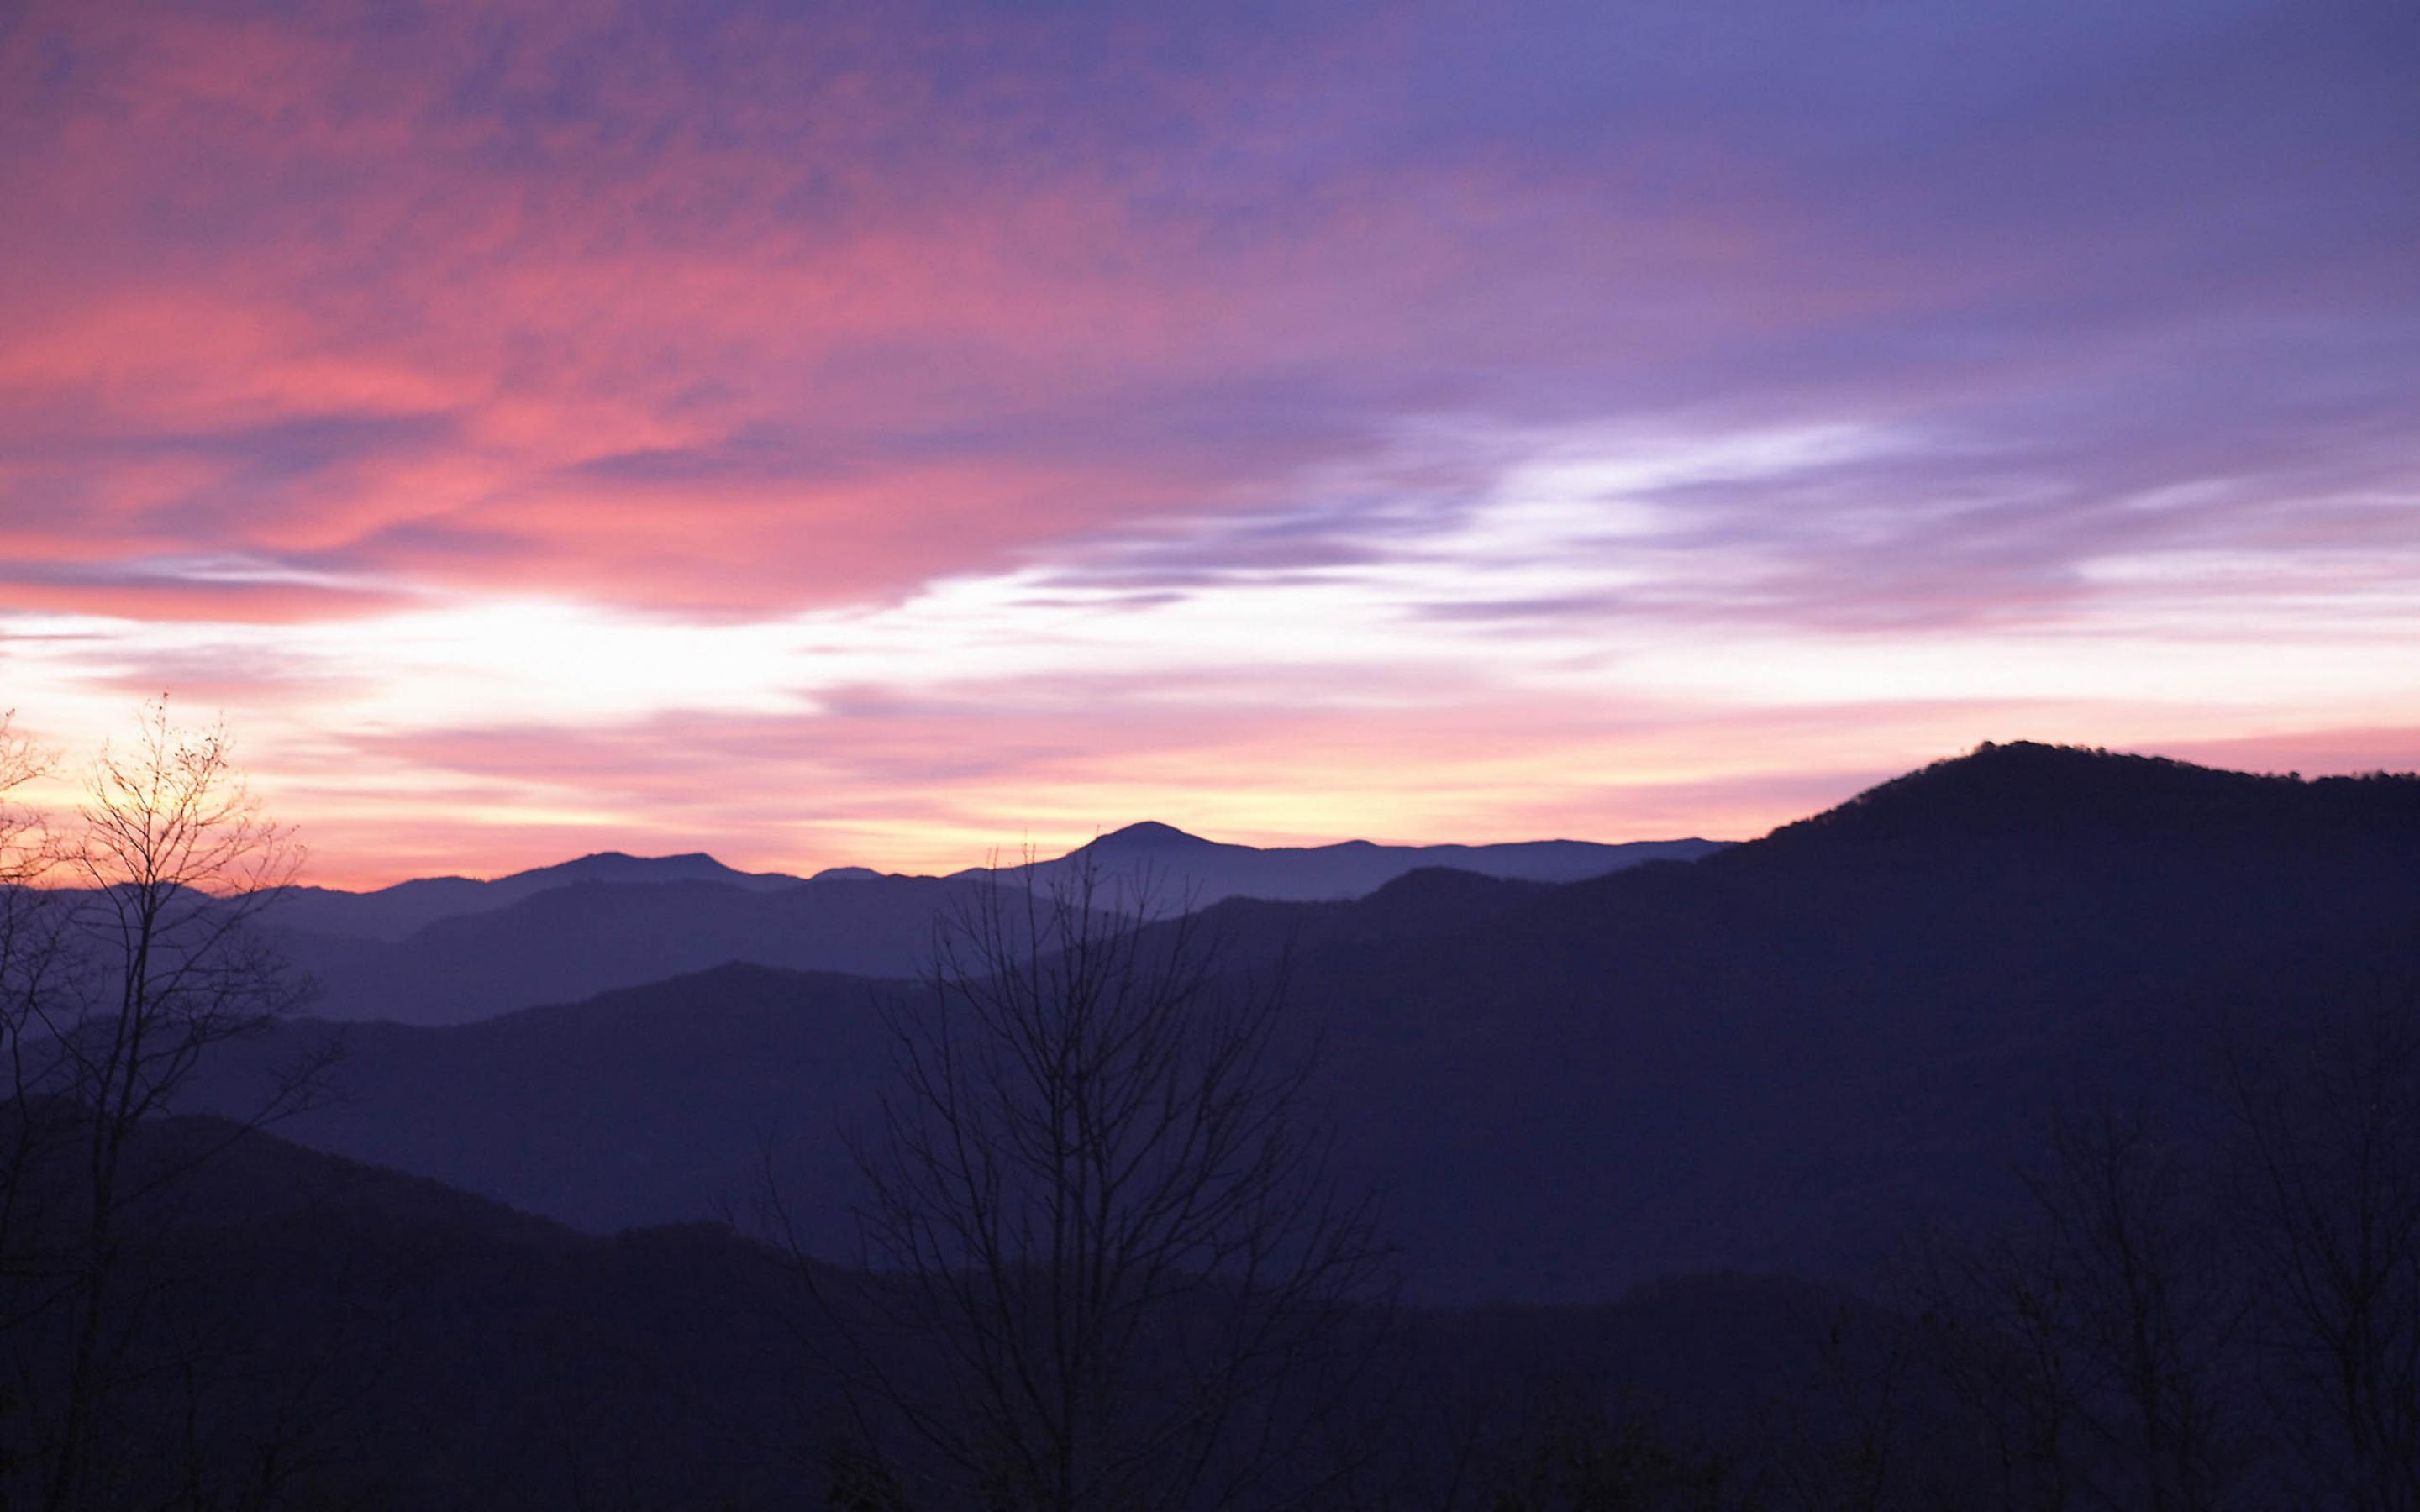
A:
[1781,1057]
[291,1329]
[294,1331]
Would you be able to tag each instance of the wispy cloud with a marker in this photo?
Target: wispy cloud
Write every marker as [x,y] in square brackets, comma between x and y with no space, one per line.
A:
[393,375]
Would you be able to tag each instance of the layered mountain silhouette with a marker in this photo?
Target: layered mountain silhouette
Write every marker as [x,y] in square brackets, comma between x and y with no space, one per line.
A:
[1777,1058]
[449,950]
[394,913]
[571,942]
[1160,868]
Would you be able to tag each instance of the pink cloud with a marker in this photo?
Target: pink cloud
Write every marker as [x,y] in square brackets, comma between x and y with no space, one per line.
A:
[728,314]
[959,345]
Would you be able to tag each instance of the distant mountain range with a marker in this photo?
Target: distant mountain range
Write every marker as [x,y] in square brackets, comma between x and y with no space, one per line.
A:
[394,913]
[449,950]
[1181,870]
[1777,1058]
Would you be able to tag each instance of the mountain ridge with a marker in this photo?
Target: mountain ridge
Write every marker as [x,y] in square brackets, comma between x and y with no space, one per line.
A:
[1761,1060]
[396,911]
[440,950]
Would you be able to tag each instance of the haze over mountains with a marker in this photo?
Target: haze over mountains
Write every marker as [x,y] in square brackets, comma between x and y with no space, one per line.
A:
[1182,870]
[449,950]
[1774,1057]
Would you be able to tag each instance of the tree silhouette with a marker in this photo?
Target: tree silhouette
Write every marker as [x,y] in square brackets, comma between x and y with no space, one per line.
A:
[27,939]
[142,957]
[1111,1269]
[2327,1156]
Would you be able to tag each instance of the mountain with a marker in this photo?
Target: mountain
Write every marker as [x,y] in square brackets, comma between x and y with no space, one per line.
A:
[1775,1058]
[1791,1054]
[1207,870]
[292,1330]
[444,950]
[1182,871]
[1781,1057]
[393,913]
[646,1105]
[573,941]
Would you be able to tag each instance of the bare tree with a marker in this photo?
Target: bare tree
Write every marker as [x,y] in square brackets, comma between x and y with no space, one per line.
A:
[1845,1444]
[26,953]
[1568,1440]
[2328,1158]
[26,956]
[1992,1338]
[2089,1349]
[1109,1267]
[142,959]
[2148,1305]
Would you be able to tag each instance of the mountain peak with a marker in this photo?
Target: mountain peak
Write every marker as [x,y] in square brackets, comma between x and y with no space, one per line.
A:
[846,873]
[686,860]
[1150,835]
[2029,788]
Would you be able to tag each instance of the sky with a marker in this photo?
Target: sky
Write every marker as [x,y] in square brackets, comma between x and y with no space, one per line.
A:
[882,433]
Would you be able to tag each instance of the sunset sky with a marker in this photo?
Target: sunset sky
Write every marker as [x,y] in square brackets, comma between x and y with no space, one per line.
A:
[876,433]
